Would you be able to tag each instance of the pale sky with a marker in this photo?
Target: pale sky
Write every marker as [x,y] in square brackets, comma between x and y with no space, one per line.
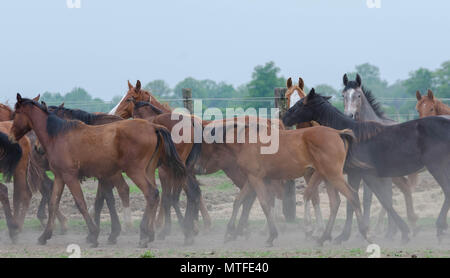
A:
[45,46]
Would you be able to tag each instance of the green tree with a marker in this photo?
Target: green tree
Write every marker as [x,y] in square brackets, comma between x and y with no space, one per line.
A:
[264,79]
[371,79]
[326,90]
[159,88]
[442,80]
[421,79]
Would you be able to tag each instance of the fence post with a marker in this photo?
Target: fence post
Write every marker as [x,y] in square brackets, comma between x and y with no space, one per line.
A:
[280,100]
[289,200]
[187,99]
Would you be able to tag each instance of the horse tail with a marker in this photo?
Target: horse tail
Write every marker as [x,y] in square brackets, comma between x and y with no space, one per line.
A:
[170,156]
[349,139]
[10,155]
[196,149]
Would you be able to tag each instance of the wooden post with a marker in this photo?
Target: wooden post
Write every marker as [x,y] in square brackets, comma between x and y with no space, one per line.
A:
[187,96]
[289,200]
[280,100]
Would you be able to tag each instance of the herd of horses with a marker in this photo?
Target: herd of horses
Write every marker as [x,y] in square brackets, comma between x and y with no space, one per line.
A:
[135,138]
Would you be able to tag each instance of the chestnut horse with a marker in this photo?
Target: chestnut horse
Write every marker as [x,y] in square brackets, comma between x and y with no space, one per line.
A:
[10,156]
[321,148]
[76,150]
[430,106]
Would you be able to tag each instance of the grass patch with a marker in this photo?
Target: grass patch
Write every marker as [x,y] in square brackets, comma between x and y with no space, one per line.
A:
[148,254]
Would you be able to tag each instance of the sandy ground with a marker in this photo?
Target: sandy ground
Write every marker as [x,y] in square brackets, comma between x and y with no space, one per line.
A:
[219,193]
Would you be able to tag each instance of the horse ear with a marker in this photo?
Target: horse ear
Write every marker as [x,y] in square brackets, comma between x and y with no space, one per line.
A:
[345,79]
[19,98]
[358,80]
[129,85]
[418,95]
[61,105]
[430,94]
[327,98]
[301,84]
[138,86]
[37,98]
[289,83]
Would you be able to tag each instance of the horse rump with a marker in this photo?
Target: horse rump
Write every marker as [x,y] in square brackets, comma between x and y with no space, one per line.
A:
[10,155]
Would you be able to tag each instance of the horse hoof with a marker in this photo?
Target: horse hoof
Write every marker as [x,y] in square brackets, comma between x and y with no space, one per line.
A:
[340,239]
[151,237]
[94,245]
[161,236]
[112,240]
[269,244]
[42,240]
[188,241]
[63,231]
[143,243]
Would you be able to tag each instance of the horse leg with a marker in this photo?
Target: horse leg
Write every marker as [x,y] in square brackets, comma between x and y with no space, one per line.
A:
[148,187]
[13,227]
[21,197]
[315,199]
[164,215]
[339,183]
[99,201]
[57,190]
[41,215]
[311,190]
[442,176]
[205,214]
[367,204]
[382,188]
[335,201]
[124,194]
[246,207]
[75,188]
[354,180]
[405,185]
[107,189]
[289,201]
[261,192]
[193,194]
[230,233]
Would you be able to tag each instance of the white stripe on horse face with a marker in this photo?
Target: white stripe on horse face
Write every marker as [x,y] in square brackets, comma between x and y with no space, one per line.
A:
[294,98]
[113,111]
[349,105]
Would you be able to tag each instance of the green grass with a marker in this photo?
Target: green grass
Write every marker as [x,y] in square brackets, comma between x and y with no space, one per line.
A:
[148,254]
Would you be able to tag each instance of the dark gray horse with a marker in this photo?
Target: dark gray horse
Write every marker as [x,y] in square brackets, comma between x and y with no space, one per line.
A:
[386,151]
[360,104]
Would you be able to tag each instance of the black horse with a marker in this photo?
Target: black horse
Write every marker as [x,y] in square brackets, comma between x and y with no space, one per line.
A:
[386,151]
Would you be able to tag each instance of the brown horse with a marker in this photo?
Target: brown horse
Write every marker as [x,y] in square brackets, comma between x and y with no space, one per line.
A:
[430,106]
[188,153]
[76,150]
[10,156]
[321,148]
[6,113]
[119,182]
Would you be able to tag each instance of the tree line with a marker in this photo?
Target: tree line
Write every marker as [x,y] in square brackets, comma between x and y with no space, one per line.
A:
[258,92]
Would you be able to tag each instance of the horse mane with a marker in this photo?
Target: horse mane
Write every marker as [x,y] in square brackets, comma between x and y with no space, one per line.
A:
[376,106]
[10,155]
[155,109]
[57,125]
[335,118]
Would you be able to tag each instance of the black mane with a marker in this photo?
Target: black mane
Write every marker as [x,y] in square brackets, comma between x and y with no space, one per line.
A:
[144,103]
[56,125]
[332,117]
[10,155]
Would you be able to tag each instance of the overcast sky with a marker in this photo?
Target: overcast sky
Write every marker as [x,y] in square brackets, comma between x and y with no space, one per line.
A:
[45,46]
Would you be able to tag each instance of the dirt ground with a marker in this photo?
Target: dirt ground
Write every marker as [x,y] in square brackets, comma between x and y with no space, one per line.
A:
[219,192]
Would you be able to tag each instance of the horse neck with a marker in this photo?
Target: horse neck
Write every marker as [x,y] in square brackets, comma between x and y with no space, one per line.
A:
[38,119]
[105,119]
[159,105]
[442,109]
[367,113]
